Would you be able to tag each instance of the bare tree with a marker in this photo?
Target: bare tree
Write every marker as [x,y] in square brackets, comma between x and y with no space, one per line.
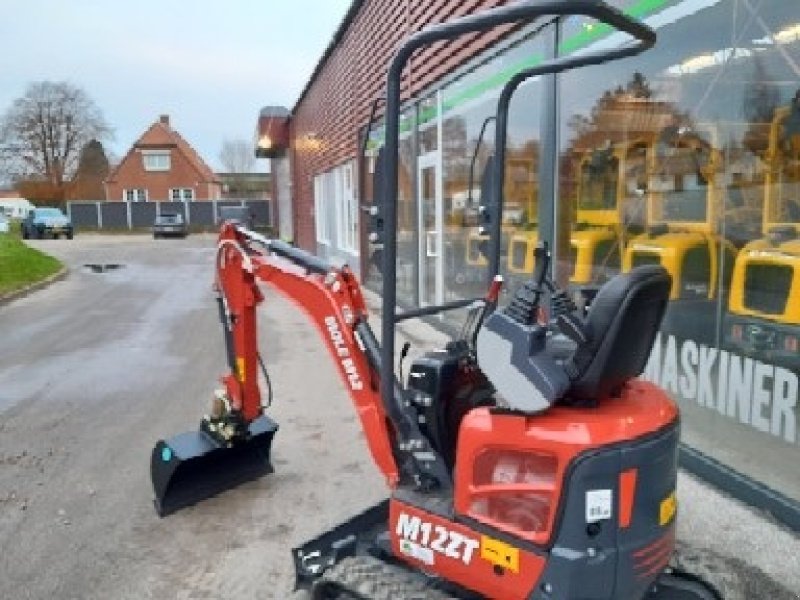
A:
[43,132]
[238,156]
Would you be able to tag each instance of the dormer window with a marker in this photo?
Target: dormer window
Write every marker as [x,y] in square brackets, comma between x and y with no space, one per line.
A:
[155,160]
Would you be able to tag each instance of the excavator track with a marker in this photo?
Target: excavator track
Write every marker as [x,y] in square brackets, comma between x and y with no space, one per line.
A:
[368,578]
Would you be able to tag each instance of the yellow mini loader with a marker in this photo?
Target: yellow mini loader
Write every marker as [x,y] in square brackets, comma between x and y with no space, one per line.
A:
[762,320]
[684,198]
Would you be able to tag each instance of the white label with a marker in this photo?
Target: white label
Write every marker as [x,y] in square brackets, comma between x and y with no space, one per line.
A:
[421,553]
[420,539]
[598,505]
[343,352]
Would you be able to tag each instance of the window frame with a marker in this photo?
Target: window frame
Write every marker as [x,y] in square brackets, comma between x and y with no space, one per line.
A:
[148,156]
[182,195]
[137,195]
[321,225]
[336,208]
[347,208]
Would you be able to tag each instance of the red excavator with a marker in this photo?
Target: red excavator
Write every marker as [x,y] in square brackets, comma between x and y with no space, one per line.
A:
[525,460]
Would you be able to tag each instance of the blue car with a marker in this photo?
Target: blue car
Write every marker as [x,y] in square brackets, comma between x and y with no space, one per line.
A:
[46,222]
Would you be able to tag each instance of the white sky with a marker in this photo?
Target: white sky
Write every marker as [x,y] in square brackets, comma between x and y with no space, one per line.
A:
[209,64]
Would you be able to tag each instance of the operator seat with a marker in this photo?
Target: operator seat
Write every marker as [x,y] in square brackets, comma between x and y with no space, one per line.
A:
[612,345]
[620,329]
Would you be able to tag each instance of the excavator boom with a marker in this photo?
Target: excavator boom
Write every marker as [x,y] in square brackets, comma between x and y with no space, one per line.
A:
[233,442]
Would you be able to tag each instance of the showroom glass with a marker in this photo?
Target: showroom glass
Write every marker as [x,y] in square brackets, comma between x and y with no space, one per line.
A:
[406,207]
[455,113]
[693,145]
[468,101]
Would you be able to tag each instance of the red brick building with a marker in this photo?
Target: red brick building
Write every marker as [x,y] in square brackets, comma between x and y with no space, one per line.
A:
[334,107]
[162,166]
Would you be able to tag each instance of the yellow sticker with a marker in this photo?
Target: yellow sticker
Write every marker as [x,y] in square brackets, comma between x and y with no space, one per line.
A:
[240,368]
[669,507]
[500,554]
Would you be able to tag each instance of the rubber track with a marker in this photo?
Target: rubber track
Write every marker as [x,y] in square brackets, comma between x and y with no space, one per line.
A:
[369,578]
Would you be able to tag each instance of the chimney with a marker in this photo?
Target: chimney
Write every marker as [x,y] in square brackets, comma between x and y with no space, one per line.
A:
[164,120]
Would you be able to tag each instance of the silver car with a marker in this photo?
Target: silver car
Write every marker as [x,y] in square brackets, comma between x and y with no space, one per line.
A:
[170,224]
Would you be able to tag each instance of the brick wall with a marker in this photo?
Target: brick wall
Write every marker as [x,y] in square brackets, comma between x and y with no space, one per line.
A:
[336,105]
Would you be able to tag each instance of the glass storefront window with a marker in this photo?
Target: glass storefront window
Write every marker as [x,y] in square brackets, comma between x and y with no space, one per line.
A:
[441,252]
[687,156]
[469,102]
[406,207]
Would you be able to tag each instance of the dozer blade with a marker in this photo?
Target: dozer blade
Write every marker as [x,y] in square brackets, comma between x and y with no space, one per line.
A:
[193,466]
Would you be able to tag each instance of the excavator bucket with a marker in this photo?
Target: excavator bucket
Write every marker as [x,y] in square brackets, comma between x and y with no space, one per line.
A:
[193,466]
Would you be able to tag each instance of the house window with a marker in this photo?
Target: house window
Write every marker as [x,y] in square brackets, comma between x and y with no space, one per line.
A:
[346,209]
[335,208]
[155,161]
[181,194]
[135,195]
[322,200]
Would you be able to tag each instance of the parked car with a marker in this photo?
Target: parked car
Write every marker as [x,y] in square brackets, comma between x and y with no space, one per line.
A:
[4,224]
[43,222]
[170,224]
[240,214]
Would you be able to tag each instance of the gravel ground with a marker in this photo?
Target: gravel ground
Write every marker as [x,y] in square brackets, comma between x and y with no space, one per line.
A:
[94,369]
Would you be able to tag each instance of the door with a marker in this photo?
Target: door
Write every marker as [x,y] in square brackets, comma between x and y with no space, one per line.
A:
[431,227]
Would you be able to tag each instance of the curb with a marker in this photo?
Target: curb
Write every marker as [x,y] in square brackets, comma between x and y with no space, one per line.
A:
[33,287]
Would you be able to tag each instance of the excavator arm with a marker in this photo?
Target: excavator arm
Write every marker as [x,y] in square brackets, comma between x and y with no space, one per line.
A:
[234,440]
[332,299]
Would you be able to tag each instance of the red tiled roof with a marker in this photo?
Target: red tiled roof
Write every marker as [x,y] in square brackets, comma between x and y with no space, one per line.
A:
[161,135]
[158,135]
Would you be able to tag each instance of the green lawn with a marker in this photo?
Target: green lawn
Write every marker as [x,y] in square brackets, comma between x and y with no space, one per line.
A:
[21,265]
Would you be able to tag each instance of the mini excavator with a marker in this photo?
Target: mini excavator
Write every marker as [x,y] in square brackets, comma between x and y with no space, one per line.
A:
[518,468]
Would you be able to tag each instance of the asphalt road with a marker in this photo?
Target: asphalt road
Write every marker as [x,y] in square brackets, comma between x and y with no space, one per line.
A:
[97,367]
[93,370]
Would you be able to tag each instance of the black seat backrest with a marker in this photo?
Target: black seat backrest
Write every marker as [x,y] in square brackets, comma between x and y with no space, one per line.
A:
[621,326]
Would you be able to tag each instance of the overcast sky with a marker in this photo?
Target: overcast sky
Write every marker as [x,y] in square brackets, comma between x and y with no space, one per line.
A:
[209,64]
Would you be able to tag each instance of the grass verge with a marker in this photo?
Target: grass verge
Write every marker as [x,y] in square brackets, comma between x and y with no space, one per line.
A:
[21,265]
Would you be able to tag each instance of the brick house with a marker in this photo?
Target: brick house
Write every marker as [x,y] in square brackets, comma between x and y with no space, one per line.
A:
[162,166]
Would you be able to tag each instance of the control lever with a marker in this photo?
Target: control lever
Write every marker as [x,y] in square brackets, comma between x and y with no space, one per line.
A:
[564,314]
[541,256]
[524,306]
[478,313]
[511,348]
